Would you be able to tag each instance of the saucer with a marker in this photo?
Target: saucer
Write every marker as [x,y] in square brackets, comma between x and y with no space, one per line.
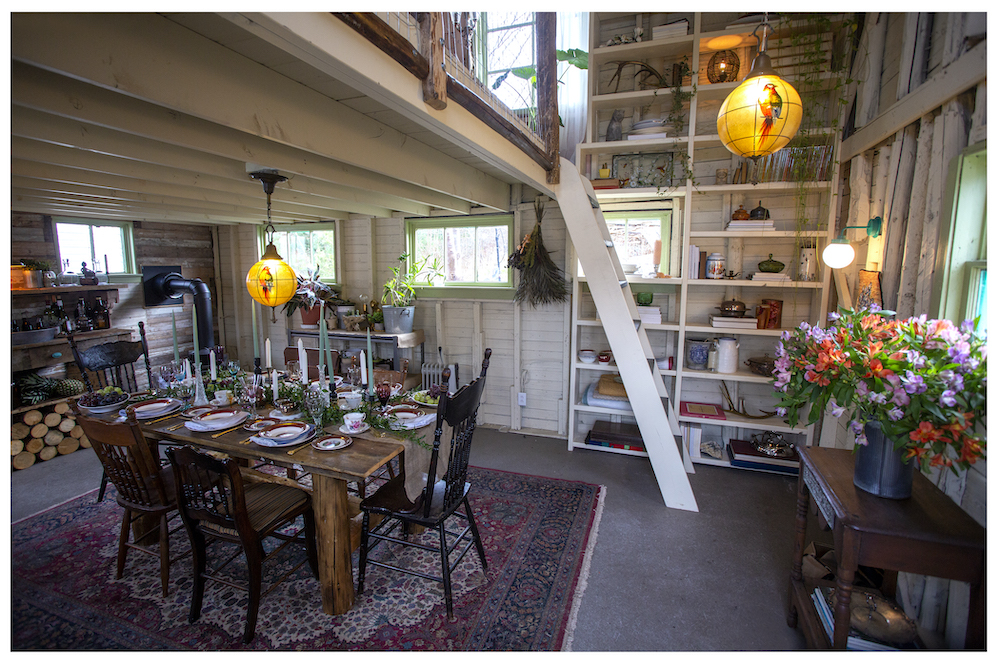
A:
[364,428]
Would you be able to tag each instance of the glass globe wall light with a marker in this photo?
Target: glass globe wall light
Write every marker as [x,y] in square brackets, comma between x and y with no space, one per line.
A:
[763,113]
[839,253]
[723,67]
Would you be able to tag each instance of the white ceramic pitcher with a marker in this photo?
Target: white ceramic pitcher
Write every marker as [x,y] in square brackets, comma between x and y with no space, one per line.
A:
[728,355]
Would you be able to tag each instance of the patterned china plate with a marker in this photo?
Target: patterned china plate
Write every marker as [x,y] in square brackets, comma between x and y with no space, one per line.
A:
[285,431]
[153,408]
[261,424]
[331,442]
[196,411]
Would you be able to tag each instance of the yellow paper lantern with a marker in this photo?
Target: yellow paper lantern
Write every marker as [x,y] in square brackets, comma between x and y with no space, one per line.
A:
[271,281]
[763,113]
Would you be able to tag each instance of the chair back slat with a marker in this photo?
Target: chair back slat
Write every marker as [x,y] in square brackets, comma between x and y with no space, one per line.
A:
[128,461]
[113,363]
[209,490]
[459,411]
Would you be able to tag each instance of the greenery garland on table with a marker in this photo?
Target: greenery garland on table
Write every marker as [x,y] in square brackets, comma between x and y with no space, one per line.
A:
[542,281]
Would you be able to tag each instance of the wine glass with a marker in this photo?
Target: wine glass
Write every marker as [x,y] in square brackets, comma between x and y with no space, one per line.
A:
[233,367]
[383,391]
[292,367]
[248,393]
[315,406]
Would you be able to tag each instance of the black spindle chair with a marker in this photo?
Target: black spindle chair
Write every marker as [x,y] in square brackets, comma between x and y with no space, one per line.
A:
[439,500]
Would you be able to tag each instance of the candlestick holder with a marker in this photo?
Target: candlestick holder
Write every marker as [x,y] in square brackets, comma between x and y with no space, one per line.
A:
[200,399]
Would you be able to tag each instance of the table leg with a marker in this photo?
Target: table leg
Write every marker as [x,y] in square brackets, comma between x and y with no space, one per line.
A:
[801,511]
[333,541]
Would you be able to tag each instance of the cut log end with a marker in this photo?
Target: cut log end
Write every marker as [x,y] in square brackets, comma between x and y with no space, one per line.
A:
[23,460]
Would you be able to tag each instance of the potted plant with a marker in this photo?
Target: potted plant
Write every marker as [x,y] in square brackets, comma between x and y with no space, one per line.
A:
[34,270]
[399,292]
[916,387]
[309,296]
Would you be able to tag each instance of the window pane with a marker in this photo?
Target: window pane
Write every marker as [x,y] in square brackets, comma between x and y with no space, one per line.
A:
[429,244]
[635,239]
[460,255]
[510,48]
[110,242]
[304,250]
[981,305]
[74,245]
[323,253]
[491,254]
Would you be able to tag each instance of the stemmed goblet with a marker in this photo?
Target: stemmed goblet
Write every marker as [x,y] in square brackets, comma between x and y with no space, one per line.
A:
[315,406]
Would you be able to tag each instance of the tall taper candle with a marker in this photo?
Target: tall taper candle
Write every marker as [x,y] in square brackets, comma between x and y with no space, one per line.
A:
[371,361]
[303,364]
[253,324]
[364,370]
[177,353]
[187,369]
[274,386]
[330,369]
[267,353]
[211,364]
[194,327]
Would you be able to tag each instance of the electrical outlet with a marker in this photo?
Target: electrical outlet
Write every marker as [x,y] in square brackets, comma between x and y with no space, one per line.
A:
[522,399]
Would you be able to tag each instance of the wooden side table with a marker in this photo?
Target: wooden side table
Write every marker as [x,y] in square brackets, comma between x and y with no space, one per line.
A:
[927,534]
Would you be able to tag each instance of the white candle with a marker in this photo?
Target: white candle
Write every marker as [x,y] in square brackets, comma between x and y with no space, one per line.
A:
[187,369]
[274,386]
[267,353]
[364,370]
[211,363]
[303,364]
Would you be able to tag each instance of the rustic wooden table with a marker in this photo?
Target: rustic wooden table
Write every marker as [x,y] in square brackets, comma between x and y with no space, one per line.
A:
[331,471]
[927,534]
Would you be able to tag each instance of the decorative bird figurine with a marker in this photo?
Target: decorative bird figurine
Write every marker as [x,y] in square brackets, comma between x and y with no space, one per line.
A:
[770,107]
[266,282]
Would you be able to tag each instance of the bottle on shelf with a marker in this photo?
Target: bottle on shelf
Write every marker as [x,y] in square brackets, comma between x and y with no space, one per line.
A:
[102,317]
[26,324]
[14,327]
[83,323]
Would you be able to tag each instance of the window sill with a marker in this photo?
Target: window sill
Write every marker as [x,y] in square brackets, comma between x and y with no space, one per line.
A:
[466,292]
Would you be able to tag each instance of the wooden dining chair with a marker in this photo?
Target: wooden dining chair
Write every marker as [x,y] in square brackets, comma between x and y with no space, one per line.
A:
[216,504]
[145,489]
[439,500]
[112,364]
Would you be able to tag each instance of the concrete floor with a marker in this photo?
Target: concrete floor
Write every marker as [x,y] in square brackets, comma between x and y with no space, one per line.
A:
[660,579]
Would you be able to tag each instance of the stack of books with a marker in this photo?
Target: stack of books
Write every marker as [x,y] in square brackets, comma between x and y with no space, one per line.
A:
[750,225]
[744,455]
[695,262]
[675,29]
[733,322]
[771,277]
[650,314]
[623,436]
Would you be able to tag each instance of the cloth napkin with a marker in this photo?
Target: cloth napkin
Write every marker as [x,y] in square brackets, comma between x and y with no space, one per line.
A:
[216,424]
[416,423]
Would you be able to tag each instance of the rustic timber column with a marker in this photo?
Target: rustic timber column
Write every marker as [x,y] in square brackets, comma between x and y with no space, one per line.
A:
[548,82]
[435,84]
[333,543]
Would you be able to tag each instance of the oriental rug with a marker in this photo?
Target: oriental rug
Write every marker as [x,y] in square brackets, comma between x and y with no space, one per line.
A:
[538,534]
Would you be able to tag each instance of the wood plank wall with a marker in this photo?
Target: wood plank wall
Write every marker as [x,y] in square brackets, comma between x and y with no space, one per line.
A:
[156,244]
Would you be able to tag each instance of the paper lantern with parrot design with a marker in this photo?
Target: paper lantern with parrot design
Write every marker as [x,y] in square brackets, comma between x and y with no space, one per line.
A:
[271,281]
[762,114]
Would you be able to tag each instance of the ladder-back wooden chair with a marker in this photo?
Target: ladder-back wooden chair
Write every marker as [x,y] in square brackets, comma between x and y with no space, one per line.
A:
[216,503]
[112,364]
[439,500]
[145,489]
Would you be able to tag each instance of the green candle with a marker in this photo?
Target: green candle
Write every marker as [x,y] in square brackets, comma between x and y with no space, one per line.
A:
[177,354]
[253,324]
[194,326]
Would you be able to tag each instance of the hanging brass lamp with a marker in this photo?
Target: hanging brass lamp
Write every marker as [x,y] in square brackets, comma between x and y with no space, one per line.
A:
[763,113]
[271,281]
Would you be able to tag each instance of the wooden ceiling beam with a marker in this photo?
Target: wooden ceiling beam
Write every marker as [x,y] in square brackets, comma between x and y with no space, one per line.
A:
[154,59]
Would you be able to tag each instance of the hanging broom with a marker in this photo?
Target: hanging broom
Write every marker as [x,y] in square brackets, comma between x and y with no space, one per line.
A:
[542,281]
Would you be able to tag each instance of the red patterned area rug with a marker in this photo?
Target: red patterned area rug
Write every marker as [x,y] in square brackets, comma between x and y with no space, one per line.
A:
[538,534]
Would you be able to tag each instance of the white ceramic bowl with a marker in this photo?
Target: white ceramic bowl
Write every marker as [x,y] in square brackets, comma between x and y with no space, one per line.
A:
[588,356]
[629,268]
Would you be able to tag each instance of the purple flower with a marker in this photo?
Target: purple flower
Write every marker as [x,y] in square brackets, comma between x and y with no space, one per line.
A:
[781,411]
[895,413]
[916,359]
[914,383]
[948,398]
[876,398]
[861,389]
[857,427]
[968,326]
[833,316]
[835,409]
[861,439]
[900,398]
[960,352]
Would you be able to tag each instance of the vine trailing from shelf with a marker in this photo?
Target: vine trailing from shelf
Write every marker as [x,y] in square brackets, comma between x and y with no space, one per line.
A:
[679,96]
[821,50]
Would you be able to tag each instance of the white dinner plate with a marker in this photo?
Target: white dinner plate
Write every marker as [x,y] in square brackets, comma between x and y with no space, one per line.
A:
[331,442]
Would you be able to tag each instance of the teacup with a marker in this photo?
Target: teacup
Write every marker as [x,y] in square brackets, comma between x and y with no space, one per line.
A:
[224,397]
[396,389]
[354,421]
[352,399]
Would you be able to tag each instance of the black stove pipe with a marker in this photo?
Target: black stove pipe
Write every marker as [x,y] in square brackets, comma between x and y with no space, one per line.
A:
[172,285]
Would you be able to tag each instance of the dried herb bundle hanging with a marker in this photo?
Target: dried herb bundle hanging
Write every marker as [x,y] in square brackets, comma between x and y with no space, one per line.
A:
[542,281]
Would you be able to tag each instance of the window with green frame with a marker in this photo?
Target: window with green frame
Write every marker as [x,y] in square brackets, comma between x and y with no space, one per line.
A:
[472,251]
[104,245]
[305,246]
[638,233]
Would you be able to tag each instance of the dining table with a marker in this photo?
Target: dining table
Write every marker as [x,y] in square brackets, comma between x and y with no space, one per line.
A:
[331,472]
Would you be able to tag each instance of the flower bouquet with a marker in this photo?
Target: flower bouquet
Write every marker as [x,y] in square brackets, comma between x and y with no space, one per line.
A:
[923,381]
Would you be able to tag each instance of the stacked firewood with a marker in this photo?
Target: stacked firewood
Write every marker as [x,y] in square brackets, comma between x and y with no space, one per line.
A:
[42,433]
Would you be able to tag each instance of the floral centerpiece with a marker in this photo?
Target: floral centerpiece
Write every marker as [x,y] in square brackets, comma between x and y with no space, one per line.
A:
[923,381]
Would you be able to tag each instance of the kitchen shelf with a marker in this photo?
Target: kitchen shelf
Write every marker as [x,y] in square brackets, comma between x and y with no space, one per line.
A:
[739,375]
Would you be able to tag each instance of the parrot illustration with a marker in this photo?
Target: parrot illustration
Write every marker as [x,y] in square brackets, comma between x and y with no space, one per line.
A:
[770,107]
[266,282]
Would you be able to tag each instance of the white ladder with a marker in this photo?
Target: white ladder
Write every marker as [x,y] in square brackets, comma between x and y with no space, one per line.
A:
[661,433]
